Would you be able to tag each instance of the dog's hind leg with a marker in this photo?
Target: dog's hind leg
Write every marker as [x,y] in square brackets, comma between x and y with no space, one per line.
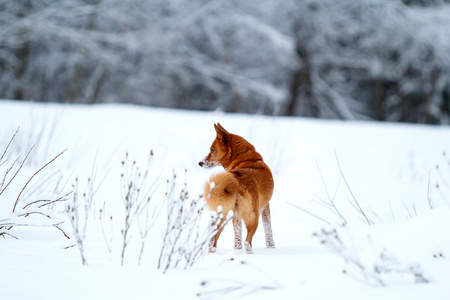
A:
[248,248]
[213,243]
[237,224]
[251,229]
[267,224]
[211,247]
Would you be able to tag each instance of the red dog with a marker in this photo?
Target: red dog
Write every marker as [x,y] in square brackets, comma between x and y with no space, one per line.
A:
[245,188]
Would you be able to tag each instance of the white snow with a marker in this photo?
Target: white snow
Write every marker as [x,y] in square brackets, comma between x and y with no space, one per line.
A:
[395,172]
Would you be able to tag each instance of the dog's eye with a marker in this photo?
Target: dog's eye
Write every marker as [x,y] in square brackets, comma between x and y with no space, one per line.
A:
[212,150]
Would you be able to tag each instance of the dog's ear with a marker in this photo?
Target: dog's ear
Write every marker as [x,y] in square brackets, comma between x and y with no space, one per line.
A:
[222,135]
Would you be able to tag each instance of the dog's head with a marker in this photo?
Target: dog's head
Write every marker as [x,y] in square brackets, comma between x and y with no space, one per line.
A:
[219,148]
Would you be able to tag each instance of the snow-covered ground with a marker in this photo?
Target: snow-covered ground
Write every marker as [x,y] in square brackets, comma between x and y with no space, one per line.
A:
[396,248]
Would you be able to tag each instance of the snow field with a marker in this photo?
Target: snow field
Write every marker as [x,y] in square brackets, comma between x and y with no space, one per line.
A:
[393,171]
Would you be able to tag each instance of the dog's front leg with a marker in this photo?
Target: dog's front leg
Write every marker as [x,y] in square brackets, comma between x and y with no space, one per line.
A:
[237,225]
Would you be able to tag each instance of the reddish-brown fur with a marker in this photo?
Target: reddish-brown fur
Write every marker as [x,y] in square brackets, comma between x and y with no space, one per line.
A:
[245,188]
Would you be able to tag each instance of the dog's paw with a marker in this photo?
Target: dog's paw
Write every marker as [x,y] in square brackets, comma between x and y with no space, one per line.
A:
[212,250]
[248,248]
[238,247]
[270,244]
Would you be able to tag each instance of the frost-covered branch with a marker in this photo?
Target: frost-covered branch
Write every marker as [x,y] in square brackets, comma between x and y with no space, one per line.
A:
[137,190]
[185,238]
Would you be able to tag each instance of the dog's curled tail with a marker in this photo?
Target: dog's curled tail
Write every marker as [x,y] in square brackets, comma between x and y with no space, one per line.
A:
[221,190]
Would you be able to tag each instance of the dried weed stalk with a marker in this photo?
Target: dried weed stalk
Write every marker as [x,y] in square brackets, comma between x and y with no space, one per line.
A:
[78,217]
[370,273]
[235,288]
[78,209]
[24,207]
[330,202]
[184,238]
[137,191]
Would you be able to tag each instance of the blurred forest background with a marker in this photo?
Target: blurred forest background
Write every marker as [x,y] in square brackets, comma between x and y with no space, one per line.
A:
[347,59]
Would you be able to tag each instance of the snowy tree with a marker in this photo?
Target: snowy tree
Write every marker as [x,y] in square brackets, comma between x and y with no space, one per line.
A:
[378,59]
[375,59]
[165,53]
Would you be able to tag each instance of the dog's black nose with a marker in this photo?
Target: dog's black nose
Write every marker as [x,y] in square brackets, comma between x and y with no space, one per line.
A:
[200,164]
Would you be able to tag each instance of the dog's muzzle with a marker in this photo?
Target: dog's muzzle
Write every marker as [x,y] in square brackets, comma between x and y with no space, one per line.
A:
[207,164]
